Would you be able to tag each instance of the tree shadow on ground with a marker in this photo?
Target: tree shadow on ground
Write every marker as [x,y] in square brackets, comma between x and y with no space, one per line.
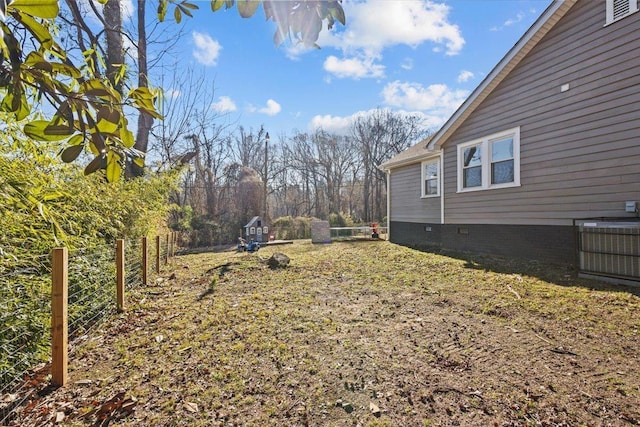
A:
[221,270]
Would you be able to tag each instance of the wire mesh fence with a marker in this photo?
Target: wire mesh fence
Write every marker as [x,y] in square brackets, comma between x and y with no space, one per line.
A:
[134,263]
[25,306]
[91,287]
[25,320]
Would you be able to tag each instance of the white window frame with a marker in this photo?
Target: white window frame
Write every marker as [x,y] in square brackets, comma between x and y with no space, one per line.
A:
[423,165]
[485,156]
[612,5]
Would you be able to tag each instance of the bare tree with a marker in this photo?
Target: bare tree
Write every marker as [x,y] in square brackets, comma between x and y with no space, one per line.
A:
[380,135]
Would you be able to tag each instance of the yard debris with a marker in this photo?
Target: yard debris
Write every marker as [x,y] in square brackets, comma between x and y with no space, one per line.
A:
[278,260]
[513,291]
[348,407]
[375,410]
[190,407]
[560,350]
[116,408]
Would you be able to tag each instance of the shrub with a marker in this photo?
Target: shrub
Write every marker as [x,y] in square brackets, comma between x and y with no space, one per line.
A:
[45,204]
[290,228]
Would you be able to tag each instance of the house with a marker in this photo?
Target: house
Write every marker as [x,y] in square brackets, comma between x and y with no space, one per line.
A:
[256,230]
[545,147]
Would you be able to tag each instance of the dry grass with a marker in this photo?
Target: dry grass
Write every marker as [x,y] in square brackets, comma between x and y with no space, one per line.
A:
[368,334]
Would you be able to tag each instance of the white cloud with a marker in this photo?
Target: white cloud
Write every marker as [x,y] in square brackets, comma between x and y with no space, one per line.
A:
[520,16]
[356,68]
[224,105]
[437,98]
[130,48]
[127,8]
[465,76]
[271,109]
[206,50]
[332,124]
[375,25]
[342,125]
[407,64]
[172,93]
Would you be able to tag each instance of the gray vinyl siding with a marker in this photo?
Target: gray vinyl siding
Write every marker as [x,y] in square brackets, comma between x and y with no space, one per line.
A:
[407,205]
[580,152]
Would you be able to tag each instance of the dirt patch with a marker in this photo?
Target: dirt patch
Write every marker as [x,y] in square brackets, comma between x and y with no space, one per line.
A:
[353,334]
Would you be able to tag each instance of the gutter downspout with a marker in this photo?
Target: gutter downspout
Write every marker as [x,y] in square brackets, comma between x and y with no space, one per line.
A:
[442,187]
[388,204]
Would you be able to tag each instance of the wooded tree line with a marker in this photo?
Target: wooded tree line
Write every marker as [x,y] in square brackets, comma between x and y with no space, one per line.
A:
[307,174]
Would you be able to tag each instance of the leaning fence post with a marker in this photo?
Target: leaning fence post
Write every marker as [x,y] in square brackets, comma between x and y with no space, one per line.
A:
[59,317]
[145,261]
[158,254]
[120,274]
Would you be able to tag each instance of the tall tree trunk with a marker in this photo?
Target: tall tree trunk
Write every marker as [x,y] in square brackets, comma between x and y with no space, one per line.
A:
[145,121]
[115,50]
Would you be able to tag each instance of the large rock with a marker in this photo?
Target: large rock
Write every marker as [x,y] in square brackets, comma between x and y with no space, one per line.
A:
[278,260]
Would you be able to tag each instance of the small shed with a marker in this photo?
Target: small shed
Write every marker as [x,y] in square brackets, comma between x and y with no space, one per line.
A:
[257,230]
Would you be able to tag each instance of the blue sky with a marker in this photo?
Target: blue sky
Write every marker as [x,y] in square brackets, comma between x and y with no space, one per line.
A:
[415,56]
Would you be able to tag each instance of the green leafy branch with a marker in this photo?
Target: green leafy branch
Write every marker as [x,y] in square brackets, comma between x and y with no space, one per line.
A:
[89,110]
[300,20]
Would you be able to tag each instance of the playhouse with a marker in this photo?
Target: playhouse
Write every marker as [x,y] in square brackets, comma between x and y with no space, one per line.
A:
[256,230]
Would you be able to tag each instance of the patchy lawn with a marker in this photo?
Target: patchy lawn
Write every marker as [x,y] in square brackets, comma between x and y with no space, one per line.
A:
[358,334]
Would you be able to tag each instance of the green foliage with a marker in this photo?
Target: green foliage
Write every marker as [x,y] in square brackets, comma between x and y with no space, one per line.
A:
[290,228]
[339,220]
[89,111]
[45,204]
[301,20]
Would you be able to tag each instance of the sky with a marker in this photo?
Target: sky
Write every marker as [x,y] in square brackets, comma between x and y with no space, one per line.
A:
[417,56]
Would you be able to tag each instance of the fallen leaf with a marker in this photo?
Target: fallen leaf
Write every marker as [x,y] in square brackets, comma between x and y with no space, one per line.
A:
[191,407]
[159,338]
[374,409]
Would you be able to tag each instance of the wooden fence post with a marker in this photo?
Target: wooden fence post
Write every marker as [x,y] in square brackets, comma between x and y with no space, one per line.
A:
[166,254]
[145,261]
[120,274]
[170,245]
[59,317]
[158,254]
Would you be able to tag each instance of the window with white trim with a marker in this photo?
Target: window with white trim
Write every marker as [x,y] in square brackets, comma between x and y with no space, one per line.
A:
[431,178]
[618,9]
[490,162]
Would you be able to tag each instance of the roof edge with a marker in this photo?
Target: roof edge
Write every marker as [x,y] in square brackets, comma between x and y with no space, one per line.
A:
[556,10]
[409,160]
